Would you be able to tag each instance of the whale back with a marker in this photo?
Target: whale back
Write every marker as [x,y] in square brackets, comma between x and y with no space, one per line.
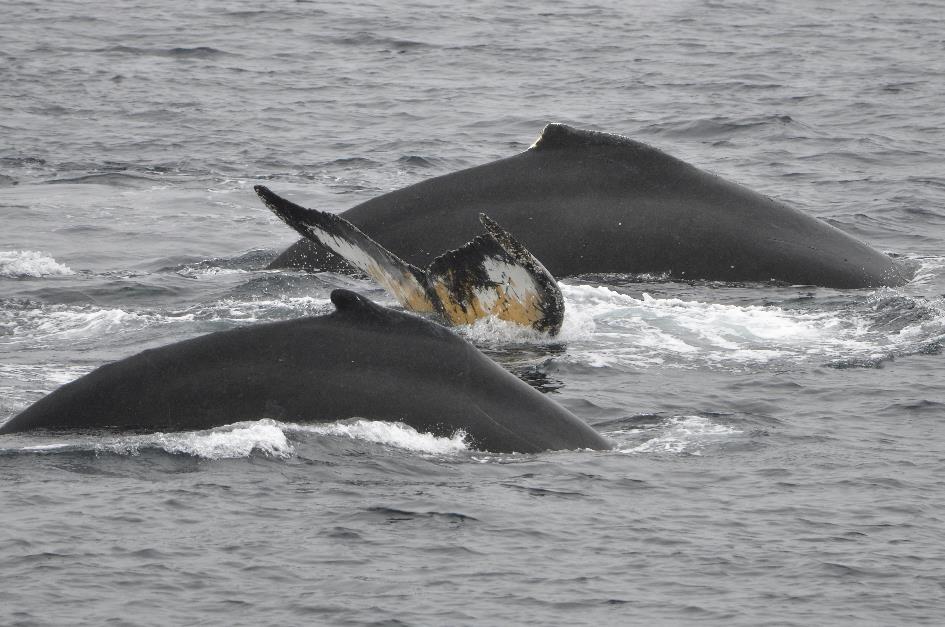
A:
[589,202]
[362,360]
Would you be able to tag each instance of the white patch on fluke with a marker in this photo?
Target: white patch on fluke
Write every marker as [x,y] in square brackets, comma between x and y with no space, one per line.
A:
[364,261]
[519,283]
[17,264]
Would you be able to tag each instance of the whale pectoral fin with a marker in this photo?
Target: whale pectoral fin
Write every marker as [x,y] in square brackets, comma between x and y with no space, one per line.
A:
[404,281]
[495,275]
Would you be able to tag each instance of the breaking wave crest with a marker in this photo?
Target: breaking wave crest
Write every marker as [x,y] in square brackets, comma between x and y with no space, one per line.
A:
[393,434]
[264,437]
[21,264]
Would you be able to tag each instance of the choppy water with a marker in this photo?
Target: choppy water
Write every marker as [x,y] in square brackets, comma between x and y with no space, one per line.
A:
[779,450]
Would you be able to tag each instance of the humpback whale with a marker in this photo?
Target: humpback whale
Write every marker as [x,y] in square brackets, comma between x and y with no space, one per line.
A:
[590,202]
[362,360]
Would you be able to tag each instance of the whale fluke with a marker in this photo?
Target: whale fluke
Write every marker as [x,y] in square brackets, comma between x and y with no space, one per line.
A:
[492,275]
[406,282]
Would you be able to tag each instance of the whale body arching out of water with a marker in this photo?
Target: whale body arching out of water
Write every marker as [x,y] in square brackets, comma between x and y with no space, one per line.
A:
[588,202]
[362,360]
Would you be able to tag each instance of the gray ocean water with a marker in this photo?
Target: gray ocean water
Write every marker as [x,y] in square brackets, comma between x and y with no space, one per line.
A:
[779,449]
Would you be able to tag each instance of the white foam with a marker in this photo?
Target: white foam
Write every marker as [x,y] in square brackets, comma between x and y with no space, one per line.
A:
[16,264]
[260,309]
[39,448]
[492,330]
[928,270]
[680,434]
[607,328]
[264,437]
[42,374]
[70,322]
[197,272]
[578,324]
[89,322]
[246,311]
[389,433]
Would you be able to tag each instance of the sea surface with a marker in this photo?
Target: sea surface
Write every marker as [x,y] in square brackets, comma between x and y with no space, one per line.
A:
[779,450]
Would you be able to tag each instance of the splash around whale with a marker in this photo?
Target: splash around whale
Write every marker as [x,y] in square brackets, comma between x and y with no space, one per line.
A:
[589,202]
[362,360]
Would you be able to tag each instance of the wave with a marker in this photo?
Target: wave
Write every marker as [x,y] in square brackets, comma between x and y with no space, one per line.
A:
[198,52]
[394,434]
[266,437]
[20,264]
[928,270]
[262,438]
[720,126]
[365,38]
[31,322]
[417,161]
[226,443]
[112,179]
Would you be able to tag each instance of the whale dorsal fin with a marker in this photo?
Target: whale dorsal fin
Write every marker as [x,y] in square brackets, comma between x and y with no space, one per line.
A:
[350,304]
[556,135]
[346,302]
[355,307]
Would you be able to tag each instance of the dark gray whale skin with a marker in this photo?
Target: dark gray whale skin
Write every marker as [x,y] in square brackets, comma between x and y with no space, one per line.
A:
[586,202]
[362,360]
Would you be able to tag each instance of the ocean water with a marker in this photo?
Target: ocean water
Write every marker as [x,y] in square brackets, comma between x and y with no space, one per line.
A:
[778,449]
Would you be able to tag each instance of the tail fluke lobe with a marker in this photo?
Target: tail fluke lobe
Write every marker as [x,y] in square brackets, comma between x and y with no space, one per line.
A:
[404,281]
[493,275]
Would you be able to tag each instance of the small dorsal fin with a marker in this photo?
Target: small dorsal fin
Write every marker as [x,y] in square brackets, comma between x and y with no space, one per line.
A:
[352,305]
[557,135]
[363,310]
[347,301]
